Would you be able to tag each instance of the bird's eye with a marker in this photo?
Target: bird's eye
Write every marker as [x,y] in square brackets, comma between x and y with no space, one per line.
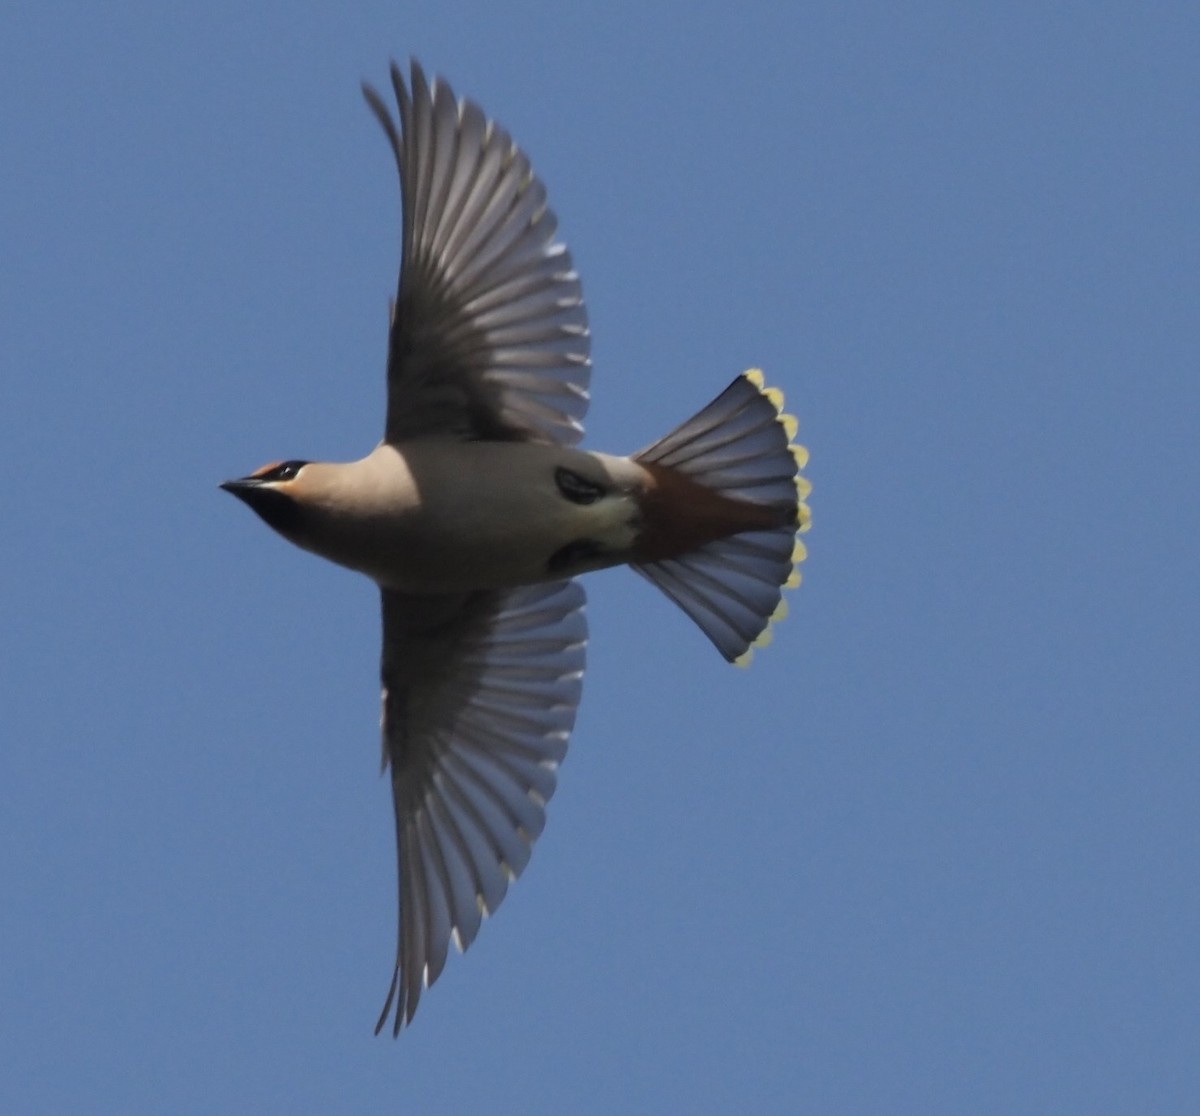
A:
[285,470]
[577,489]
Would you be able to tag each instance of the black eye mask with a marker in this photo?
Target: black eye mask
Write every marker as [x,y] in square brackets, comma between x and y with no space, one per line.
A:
[285,470]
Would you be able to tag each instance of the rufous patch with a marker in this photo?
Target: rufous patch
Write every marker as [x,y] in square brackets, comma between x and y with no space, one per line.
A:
[679,515]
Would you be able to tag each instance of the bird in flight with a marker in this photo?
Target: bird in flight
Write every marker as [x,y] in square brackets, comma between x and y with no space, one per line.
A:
[476,513]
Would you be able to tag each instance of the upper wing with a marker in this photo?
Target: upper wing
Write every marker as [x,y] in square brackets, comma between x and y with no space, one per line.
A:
[489,335]
[479,696]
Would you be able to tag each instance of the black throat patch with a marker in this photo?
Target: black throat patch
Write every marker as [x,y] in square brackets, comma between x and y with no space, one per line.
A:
[276,509]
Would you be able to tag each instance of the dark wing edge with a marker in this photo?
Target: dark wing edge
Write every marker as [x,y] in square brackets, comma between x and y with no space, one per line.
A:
[480,693]
[489,336]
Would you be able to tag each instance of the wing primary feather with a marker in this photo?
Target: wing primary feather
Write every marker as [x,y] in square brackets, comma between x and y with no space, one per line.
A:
[446,138]
[507,824]
[439,893]
[404,108]
[421,167]
[488,891]
[412,960]
[484,285]
[384,116]
[467,914]
[387,1005]
[472,131]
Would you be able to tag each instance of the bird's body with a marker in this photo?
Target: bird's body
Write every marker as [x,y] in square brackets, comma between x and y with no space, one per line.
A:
[476,512]
[438,516]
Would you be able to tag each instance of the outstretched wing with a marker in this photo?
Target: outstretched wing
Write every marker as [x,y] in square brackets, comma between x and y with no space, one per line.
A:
[479,697]
[489,335]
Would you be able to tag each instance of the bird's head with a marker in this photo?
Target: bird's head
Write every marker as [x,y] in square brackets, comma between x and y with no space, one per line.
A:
[276,494]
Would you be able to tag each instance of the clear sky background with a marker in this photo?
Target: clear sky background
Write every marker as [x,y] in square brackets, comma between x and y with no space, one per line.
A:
[935,852]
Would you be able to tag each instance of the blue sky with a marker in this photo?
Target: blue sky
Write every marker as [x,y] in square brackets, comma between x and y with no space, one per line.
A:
[936,851]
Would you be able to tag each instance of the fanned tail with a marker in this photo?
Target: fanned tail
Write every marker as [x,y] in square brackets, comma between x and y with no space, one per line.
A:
[729,482]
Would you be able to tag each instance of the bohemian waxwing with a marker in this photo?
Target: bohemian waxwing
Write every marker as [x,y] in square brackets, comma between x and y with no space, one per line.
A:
[476,512]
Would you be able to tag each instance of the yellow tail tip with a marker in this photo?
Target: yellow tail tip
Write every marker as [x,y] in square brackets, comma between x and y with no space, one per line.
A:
[790,425]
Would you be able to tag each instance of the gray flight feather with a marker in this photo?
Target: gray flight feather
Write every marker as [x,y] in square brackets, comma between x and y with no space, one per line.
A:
[480,692]
[489,336]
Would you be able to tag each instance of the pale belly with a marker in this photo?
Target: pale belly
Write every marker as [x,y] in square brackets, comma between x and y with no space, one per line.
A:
[448,517]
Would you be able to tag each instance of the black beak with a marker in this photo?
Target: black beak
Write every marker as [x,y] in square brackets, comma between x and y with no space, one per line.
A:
[241,486]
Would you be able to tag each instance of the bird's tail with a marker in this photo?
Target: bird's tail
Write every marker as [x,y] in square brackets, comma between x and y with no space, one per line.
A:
[728,500]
